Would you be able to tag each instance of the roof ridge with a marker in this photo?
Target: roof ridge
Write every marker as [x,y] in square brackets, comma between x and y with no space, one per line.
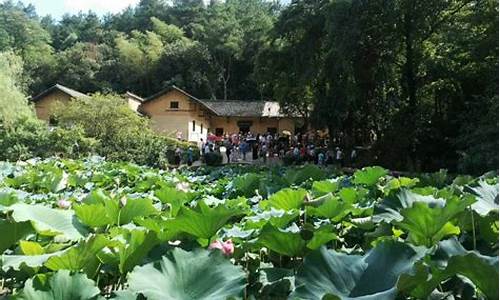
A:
[235,100]
[170,88]
[69,91]
[134,96]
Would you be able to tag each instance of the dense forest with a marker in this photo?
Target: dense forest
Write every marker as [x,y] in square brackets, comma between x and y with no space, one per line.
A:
[414,80]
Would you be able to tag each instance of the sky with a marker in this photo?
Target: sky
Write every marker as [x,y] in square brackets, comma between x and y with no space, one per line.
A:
[56,8]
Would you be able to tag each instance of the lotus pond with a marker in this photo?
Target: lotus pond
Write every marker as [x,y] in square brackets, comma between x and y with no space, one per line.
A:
[91,229]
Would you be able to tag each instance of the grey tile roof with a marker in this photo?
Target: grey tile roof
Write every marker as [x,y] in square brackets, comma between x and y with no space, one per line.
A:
[134,96]
[62,88]
[241,108]
[171,88]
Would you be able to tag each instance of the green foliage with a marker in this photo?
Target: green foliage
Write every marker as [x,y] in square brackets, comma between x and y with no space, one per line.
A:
[143,232]
[369,176]
[213,159]
[417,81]
[341,276]
[13,232]
[188,275]
[283,241]
[29,137]
[122,134]
[48,221]
[60,286]
[416,84]
[80,257]
[285,199]
[13,103]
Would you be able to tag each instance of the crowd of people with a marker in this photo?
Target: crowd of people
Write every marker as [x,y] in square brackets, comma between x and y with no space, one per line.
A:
[291,149]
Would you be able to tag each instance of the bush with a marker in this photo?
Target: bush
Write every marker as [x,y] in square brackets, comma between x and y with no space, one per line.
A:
[213,159]
[123,135]
[13,102]
[29,137]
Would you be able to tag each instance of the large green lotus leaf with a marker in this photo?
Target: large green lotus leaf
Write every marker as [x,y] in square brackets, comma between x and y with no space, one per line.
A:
[159,226]
[320,188]
[331,208]
[247,184]
[175,198]
[285,242]
[80,257]
[16,261]
[427,223]
[12,232]
[53,179]
[349,195]
[60,286]
[397,183]
[48,221]
[277,217]
[407,198]
[136,208]
[124,295]
[112,210]
[369,176]
[321,236]
[96,196]
[449,260]
[182,275]
[481,270]
[31,248]
[488,227]
[93,215]
[300,175]
[277,283]
[285,199]
[7,198]
[487,196]
[203,223]
[372,276]
[136,247]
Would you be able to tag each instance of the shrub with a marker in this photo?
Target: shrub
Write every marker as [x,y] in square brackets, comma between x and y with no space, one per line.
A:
[13,103]
[28,137]
[213,159]
[123,135]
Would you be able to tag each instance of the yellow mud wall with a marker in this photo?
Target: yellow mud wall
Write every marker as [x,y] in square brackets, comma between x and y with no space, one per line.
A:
[169,121]
[44,106]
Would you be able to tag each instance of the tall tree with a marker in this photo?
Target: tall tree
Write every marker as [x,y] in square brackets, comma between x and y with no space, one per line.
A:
[13,102]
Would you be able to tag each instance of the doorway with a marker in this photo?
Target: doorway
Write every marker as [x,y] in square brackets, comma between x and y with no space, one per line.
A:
[244,126]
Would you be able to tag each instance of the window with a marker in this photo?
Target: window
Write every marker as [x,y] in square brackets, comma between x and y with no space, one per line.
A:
[201,128]
[174,104]
[219,131]
[194,125]
[53,121]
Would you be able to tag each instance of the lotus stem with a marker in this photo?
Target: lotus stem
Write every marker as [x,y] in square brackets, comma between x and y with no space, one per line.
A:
[473,229]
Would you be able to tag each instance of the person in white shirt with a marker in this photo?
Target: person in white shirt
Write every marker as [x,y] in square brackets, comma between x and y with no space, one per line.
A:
[354,155]
[338,156]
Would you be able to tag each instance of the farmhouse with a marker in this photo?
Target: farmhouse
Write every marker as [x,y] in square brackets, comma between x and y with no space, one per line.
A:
[175,112]
[46,99]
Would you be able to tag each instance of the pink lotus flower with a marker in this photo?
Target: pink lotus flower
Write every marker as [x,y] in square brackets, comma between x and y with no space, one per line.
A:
[226,247]
[64,204]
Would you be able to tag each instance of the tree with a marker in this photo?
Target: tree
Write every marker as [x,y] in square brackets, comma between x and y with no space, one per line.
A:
[121,133]
[13,102]
[139,56]
[222,35]
[80,66]
[29,40]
